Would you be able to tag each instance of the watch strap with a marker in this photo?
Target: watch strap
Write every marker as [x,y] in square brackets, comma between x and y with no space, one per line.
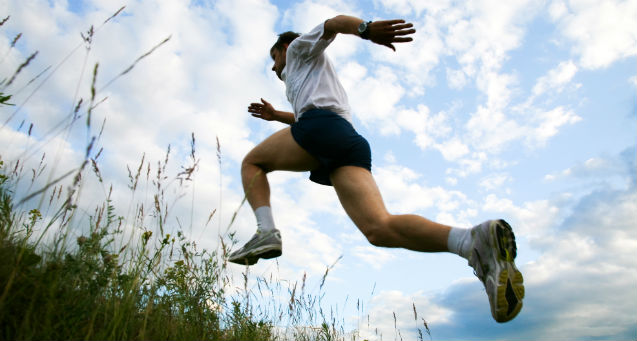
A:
[365,33]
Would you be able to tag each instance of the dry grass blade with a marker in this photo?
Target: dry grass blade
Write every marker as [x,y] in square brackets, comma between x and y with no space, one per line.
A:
[22,66]
[328,270]
[96,170]
[424,322]
[33,80]
[128,69]
[210,216]
[46,187]
[63,61]
[78,106]
[114,15]
[15,40]
[395,326]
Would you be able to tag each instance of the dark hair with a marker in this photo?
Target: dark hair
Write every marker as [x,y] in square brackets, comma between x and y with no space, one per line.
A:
[284,38]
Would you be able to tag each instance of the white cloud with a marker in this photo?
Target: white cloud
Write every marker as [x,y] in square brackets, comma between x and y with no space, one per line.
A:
[426,127]
[490,130]
[453,149]
[403,193]
[591,168]
[575,280]
[556,78]
[597,279]
[495,181]
[531,219]
[306,15]
[374,256]
[456,79]
[603,31]
[373,98]
[414,61]
[550,122]
[392,312]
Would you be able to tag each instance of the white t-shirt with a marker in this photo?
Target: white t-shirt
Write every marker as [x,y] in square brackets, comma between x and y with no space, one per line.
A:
[310,79]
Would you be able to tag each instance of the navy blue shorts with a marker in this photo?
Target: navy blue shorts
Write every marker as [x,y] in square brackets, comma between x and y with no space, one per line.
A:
[333,141]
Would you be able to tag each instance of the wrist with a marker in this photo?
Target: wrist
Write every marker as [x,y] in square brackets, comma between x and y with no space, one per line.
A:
[363,29]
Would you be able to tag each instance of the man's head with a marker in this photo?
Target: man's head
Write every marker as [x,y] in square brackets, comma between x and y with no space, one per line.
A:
[278,51]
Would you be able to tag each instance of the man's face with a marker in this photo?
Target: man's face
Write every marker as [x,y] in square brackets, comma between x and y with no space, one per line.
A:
[278,56]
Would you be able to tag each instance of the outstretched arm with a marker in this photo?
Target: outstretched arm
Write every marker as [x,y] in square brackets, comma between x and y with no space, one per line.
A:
[385,32]
[266,111]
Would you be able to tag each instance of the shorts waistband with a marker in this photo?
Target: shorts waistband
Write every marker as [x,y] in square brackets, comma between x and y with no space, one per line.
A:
[315,113]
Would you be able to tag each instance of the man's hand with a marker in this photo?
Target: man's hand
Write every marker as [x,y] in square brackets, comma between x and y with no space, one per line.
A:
[387,32]
[264,110]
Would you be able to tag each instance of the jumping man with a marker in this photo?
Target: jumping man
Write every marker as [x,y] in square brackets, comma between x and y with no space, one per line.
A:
[322,140]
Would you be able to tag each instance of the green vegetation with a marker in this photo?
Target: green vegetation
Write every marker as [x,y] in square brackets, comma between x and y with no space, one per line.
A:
[91,291]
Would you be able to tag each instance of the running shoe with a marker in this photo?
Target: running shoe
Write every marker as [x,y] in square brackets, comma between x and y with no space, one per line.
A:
[492,258]
[262,245]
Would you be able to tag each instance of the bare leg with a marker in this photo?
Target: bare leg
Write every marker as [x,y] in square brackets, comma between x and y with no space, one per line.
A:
[277,152]
[361,199]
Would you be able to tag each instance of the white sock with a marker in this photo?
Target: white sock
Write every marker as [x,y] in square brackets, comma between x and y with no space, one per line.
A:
[459,242]
[265,222]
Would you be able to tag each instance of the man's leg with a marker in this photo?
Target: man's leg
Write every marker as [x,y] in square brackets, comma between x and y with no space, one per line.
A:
[492,247]
[278,152]
[361,199]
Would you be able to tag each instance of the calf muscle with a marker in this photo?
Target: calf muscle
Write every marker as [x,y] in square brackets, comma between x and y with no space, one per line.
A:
[362,201]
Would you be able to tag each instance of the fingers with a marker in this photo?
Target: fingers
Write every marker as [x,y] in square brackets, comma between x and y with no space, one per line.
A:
[390,22]
[255,107]
[388,32]
[402,40]
[258,107]
[395,25]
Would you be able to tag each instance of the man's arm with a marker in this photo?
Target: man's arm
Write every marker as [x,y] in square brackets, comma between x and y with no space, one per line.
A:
[266,111]
[385,32]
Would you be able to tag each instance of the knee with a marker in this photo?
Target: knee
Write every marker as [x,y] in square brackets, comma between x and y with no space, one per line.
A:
[378,232]
[251,162]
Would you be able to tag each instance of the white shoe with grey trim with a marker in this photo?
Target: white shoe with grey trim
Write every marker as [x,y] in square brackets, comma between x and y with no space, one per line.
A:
[493,252]
[262,245]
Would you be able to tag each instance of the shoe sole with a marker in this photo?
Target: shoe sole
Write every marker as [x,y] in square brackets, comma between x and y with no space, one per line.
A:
[510,285]
[265,252]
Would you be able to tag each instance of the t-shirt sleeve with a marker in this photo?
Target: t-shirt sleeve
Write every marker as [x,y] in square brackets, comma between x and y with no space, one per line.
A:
[310,45]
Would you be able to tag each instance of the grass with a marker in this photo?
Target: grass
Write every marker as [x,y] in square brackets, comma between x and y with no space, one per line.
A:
[88,288]
[71,274]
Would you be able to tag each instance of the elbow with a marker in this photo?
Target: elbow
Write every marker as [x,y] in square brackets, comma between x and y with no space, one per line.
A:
[337,24]
[330,28]
[342,24]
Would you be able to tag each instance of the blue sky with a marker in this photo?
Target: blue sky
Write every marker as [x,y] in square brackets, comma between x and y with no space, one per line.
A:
[522,110]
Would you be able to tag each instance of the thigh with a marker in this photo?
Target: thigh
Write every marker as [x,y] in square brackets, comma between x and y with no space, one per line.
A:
[281,152]
[360,197]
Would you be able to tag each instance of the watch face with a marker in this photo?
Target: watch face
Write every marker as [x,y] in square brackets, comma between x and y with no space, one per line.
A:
[362,27]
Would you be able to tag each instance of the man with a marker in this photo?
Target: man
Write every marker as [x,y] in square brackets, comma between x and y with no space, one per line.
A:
[322,140]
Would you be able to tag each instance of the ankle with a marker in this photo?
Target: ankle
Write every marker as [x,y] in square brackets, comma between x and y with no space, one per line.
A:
[459,242]
[265,222]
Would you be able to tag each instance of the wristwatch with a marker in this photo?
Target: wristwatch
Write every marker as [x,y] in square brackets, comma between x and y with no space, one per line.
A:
[363,29]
